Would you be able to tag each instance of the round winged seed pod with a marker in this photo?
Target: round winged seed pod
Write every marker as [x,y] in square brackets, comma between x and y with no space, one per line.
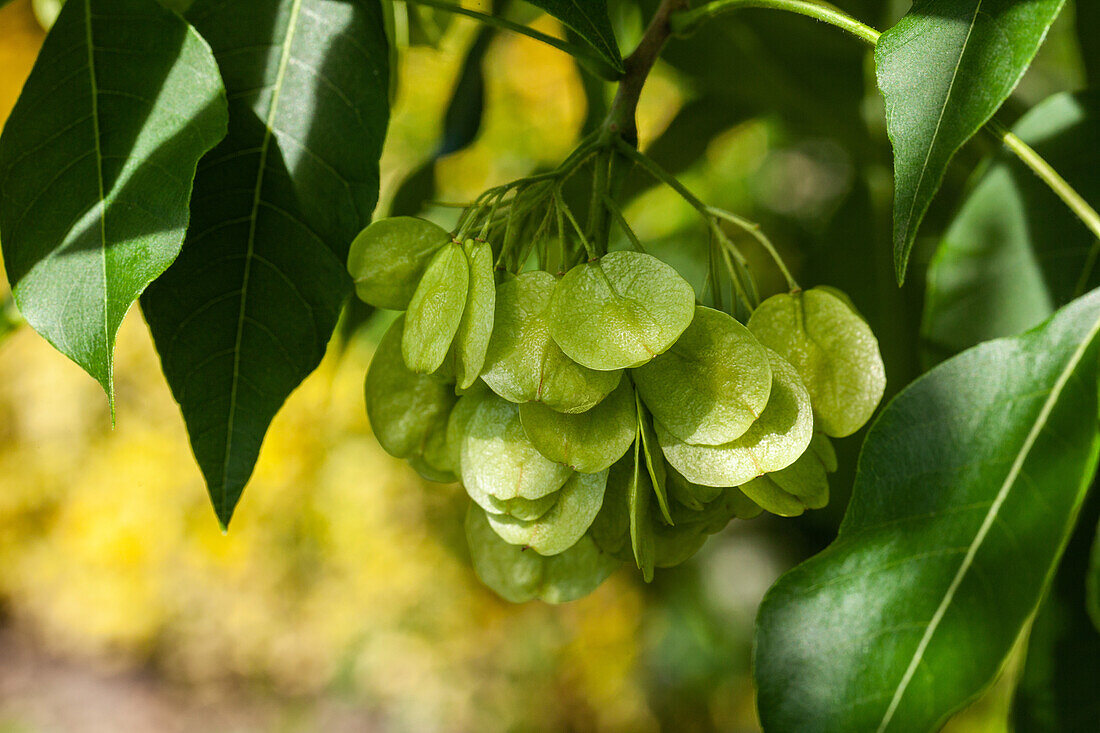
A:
[471,341]
[578,502]
[499,460]
[523,364]
[620,311]
[802,485]
[833,350]
[775,440]
[403,407]
[711,385]
[519,575]
[588,441]
[388,258]
[435,310]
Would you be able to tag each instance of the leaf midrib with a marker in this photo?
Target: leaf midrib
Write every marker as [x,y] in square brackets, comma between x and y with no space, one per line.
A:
[102,198]
[939,122]
[257,197]
[987,523]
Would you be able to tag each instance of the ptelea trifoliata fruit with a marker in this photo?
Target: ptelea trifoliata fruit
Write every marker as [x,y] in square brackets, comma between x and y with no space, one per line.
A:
[620,311]
[833,350]
[520,575]
[388,258]
[524,364]
[578,502]
[471,341]
[587,441]
[775,440]
[435,310]
[403,407]
[499,460]
[711,385]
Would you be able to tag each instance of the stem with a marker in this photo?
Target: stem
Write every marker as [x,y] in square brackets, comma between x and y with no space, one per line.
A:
[757,233]
[621,117]
[686,21]
[594,61]
[1051,177]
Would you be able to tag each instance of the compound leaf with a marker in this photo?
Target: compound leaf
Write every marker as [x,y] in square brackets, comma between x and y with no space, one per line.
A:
[96,166]
[968,487]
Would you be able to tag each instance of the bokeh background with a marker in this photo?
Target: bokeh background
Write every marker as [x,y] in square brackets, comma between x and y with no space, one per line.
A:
[342,598]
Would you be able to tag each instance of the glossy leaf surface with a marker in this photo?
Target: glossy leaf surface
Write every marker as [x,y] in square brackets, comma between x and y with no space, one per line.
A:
[968,486]
[944,69]
[96,166]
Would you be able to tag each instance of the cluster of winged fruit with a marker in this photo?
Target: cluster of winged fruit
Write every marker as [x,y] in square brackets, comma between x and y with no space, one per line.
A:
[602,416]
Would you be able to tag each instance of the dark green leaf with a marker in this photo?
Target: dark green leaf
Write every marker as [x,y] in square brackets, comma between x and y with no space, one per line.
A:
[944,69]
[968,487]
[589,19]
[1092,583]
[96,166]
[1014,253]
[247,310]
[1056,692]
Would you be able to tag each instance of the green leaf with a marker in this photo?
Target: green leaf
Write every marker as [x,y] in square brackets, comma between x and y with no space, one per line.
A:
[96,166]
[519,575]
[498,459]
[589,441]
[944,69]
[712,384]
[388,258]
[1092,583]
[833,350]
[779,436]
[589,19]
[1056,692]
[1014,253]
[435,310]
[403,407]
[968,486]
[620,311]
[246,311]
[555,531]
[524,364]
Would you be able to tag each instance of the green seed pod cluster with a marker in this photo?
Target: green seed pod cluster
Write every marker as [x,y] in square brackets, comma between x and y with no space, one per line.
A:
[602,416]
